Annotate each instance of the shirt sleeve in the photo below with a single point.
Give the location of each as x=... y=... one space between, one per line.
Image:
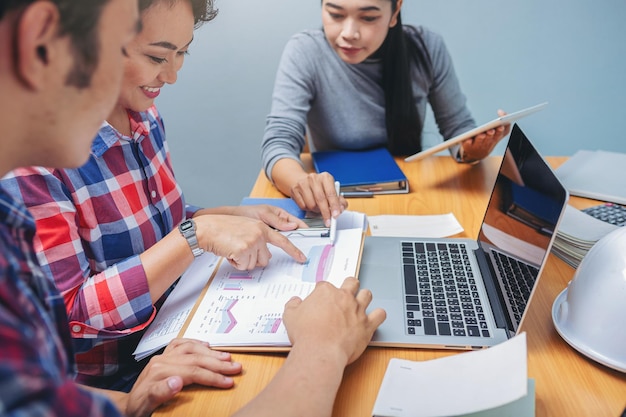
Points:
x=34 y=379
x=191 y=210
x=285 y=126
x=28 y=389
x=112 y=303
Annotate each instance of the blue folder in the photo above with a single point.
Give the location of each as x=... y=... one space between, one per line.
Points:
x=369 y=171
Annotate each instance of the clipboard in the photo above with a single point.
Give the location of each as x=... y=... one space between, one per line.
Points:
x=502 y=120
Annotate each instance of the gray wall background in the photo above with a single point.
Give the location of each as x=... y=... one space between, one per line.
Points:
x=508 y=54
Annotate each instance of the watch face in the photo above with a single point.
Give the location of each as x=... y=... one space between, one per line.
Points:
x=186 y=225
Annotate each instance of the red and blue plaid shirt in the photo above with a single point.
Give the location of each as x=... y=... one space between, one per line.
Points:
x=92 y=224
x=36 y=359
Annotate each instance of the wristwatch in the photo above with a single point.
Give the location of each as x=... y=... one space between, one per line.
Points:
x=188 y=230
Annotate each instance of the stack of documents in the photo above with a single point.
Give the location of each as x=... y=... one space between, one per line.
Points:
x=577 y=233
x=244 y=308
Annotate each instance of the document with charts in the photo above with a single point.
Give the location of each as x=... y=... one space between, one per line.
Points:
x=244 y=308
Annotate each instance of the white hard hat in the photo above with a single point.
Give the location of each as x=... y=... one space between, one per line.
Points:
x=590 y=314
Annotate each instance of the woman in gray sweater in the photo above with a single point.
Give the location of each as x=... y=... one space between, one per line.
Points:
x=362 y=81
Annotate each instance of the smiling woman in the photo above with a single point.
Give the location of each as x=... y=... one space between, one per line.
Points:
x=154 y=59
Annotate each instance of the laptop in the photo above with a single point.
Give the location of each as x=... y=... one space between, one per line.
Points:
x=470 y=294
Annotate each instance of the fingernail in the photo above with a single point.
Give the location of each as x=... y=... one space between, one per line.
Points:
x=228 y=380
x=174 y=384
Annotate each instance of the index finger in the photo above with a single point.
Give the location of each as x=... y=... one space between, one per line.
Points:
x=322 y=193
x=281 y=241
x=334 y=199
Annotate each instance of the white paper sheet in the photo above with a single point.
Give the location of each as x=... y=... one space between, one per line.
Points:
x=176 y=309
x=455 y=385
x=435 y=226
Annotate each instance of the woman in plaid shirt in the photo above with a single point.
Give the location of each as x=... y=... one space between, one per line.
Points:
x=107 y=231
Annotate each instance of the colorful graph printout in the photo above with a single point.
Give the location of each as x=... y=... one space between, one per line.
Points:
x=244 y=308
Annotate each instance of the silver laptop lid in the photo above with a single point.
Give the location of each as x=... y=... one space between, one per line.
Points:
x=522 y=216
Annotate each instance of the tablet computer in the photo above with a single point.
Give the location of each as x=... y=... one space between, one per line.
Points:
x=502 y=120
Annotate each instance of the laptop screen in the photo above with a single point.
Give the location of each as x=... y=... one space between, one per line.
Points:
x=525 y=204
x=520 y=223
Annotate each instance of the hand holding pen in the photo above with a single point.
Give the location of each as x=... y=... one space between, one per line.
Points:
x=318 y=227
x=316 y=193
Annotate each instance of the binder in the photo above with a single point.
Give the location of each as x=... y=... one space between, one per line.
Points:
x=372 y=171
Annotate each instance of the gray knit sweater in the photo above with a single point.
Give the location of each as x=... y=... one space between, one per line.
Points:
x=341 y=106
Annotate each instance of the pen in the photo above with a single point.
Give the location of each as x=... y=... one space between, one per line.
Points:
x=333 y=221
x=357 y=194
x=307 y=233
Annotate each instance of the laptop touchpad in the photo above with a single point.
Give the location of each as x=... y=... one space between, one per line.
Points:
x=379 y=280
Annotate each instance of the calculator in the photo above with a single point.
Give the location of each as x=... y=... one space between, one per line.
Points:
x=608 y=212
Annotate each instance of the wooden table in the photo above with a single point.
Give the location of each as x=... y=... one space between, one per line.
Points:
x=567 y=383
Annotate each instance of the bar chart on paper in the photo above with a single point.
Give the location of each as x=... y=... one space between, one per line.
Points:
x=244 y=308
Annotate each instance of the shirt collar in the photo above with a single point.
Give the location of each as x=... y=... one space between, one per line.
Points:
x=108 y=135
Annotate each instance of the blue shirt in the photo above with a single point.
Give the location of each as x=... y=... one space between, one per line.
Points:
x=36 y=359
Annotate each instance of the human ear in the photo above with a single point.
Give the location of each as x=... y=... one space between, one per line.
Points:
x=37 y=30
x=394 y=17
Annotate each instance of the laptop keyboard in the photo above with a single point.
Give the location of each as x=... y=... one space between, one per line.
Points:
x=440 y=291
x=518 y=279
x=608 y=212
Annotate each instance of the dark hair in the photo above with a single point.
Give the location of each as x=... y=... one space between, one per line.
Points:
x=398 y=52
x=203 y=10
x=78 y=20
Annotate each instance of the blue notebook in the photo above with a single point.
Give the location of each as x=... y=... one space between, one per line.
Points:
x=370 y=171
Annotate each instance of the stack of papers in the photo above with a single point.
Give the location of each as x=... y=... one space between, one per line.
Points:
x=490 y=382
x=242 y=289
x=577 y=233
